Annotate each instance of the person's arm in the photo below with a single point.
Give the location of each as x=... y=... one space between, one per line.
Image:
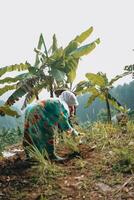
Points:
x=64 y=122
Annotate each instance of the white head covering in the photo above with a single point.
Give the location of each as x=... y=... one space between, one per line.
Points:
x=69 y=98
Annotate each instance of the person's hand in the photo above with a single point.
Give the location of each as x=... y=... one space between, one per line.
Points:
x=75 y=133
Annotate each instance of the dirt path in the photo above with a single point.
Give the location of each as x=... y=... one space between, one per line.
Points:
x=79 y=178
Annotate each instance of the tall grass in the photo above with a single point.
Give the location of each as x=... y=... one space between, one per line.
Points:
x=44 y=165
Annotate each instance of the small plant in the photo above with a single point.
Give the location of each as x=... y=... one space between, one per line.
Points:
x=125 y=160
x=71 y=143
x=42 y=197
x=44 y=165
x=9 y=137
x=80 y=164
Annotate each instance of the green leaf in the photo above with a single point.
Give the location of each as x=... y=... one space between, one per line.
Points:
x=91 y=100
x=14 y=79
x=58 y=75
x=80 y=87
x=8 y=111
x=54 y=45
x=6 y=88
x=41 y=43
x=30 y=97
x=84 y=50
x=18 y=93
x=71 y=76
x=71 y=47
x=56 y=56
x=118 y=77
x=96 y=79
x=83 y=36
x=93 y=90
x=71 y=67
x=84 y=87
x=114 y=102
x=16 y=67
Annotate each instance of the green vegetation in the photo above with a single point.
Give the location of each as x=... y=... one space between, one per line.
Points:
x=99 y=86
x=105 y=168
x=96 y=111
x=103 y=165
x=10 y=137
x=54 y=67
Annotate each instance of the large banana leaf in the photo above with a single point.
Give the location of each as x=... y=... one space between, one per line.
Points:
x=58 y=75
x=71 y=47
x=113 y=102
x=18 y=93
x=27 y=86
x=30 y=97
x=16 y=67
x=71 y=67
x=91 y=100
x=83 y=36
x=6 y=88
x=73 y=44
x=71 y=75
x=23 y=89
x=96 y=79
x=56 y=61
x=79 y=88
x=93 y=90
x=54 y=45
x=14 y=79
x=6 y=110
x=118 y=77
x=84 y=50
x=41 y=43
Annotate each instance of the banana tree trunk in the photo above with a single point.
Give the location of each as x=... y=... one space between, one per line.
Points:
x=51 y=90
x=108 y=108
x=36 y=95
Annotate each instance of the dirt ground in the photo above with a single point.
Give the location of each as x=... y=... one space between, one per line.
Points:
x=86 y=177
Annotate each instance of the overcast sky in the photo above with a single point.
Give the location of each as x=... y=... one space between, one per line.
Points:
x=22 y=21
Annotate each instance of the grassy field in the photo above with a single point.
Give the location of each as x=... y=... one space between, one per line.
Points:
x=102 y=170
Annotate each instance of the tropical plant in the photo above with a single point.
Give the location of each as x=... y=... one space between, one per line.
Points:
x=5 y=108
x=53 y=67
x=99 y=86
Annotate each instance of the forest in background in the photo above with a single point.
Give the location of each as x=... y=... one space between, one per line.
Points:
x=123 y=93
x=8 y=121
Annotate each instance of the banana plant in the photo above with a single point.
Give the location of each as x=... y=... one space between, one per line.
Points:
x=53 y=67
x=61 y=63
x=99 y=86
x=6 y=109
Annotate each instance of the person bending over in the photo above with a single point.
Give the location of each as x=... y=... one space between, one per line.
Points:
x=41 y=119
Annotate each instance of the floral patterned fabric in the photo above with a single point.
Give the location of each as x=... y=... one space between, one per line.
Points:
x=40 y=120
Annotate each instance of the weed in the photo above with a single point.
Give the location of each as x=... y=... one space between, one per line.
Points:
x=71 y=143
x=45 y=166
x=125 y=160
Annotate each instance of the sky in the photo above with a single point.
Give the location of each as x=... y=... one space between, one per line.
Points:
x=22 y=21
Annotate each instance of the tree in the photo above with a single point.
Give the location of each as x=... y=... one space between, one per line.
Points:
x=99 y=86
x=53 y=67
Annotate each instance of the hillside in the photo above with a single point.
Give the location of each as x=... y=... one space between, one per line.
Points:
x=103 y=169
x=10 y=122
x=123 y=93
